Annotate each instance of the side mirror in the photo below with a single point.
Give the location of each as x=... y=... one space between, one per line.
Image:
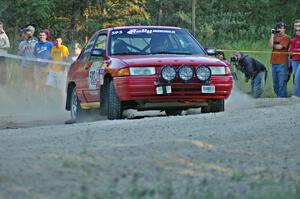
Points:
x=211 y=51
x=97 y=52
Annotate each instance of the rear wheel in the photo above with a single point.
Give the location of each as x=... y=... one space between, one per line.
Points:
x=77 y=113
x=173 y=112
x=114 y=104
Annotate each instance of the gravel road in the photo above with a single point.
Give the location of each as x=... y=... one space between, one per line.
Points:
x=250 y=151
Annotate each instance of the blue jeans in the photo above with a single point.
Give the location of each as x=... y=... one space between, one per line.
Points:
x=296 y=72
x=258 y=84
x=280 y=77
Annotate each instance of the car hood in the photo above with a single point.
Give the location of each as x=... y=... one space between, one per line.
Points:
x=158 y=60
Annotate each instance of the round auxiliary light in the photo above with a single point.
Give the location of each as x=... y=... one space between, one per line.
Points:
x=203 y=73
x=168 y=73
x=185 y=73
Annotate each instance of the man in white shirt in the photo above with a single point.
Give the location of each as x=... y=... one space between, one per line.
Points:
x=4 y=45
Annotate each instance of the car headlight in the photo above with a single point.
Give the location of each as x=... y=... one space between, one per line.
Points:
x=203 y=73
x=217 y=70
x=168 y=73
x=185 y=73
x=142 y=71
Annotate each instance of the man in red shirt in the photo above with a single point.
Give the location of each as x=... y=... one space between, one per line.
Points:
x=295 y=49
x=279 y=42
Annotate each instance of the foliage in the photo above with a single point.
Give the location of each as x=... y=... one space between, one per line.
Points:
x=217 y=22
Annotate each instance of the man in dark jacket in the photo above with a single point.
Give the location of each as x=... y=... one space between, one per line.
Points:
x=253 y=70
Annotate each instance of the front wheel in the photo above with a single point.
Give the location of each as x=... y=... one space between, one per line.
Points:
x=214 y=106
x=115 y=109
x=205 y=109
x=217 y=105
x=173 y=112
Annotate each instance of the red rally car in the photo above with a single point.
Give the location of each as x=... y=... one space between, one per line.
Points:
x=146 y=68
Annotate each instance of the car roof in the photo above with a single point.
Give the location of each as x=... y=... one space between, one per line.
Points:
x=129 y=27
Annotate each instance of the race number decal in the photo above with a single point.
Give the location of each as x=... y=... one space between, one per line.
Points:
x=101 y=74
x=93 y=76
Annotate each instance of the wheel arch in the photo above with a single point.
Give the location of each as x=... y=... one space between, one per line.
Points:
x=107 y=78
x=70 y=87
x=104 y=94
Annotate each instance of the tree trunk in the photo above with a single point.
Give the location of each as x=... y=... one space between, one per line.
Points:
x=160 y=13
x=194 y=3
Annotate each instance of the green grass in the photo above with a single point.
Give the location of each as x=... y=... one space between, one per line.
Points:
x=263 y=56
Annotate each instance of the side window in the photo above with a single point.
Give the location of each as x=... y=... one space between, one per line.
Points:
x=87 y=50
x=101 y=42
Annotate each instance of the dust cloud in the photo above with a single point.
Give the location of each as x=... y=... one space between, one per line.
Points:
x=26 y=107
x=21 y=107
x=239 y=101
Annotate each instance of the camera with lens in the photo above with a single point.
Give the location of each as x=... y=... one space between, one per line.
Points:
x=279 y=24
x=275 y=31
x=233 y=59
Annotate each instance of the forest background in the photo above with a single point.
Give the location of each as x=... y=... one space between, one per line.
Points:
x=230 y=25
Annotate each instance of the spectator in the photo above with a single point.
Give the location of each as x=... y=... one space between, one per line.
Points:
x=220 y=55
x=56 y=73
x=296 y=23
x=279 y=42
x=77 y=50
x=32 y=31
x=26 y=48
x=4 y=45
x=295 y=48
x=253 y=70
x=48 y=34
x=42 y=50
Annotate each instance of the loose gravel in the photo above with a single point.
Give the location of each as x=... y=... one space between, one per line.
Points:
x=250 y=151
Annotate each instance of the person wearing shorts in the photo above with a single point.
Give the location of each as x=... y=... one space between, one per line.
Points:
x=42 y=50
x=56 y=75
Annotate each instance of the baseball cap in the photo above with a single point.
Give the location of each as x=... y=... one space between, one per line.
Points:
x=24 y=30
x=280 y=24
x=31 y=28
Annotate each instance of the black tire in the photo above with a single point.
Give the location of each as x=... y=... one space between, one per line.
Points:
x=217 y=106
x=205 y=109
x=77 y=113
x=173 y=112
x=114 y=104
x=214 y=106
x=104 y=99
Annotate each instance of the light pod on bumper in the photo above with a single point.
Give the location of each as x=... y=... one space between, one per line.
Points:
x=203 y=73
x=168 y=73
x=185 y=73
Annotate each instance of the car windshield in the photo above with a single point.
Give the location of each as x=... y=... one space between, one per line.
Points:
x=145 y=41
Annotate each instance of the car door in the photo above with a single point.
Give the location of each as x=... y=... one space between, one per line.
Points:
x=93 y=70
x=80 y=73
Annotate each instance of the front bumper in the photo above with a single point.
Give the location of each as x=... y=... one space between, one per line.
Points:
x=143 y=91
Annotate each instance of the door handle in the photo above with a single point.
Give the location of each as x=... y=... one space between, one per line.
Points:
x=86 y=67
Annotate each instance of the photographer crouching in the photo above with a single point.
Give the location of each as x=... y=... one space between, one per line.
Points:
x=253 y=70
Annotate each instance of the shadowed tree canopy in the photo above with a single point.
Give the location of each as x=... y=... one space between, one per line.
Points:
x=215 y=21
